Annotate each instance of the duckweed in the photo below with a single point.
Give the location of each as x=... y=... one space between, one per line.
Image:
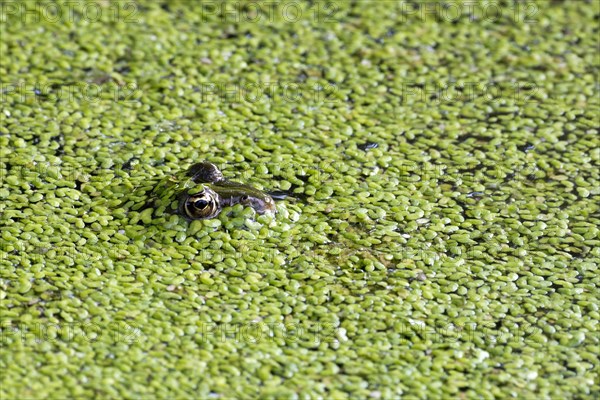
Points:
x=440 y=235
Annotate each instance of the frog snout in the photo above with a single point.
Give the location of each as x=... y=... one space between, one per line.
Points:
x=267 y=205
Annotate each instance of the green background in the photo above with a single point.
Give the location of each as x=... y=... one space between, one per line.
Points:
x=459 y=258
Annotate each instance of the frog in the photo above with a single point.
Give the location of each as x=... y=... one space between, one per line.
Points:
x=203 y=192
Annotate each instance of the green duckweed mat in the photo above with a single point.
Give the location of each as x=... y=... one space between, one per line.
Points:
x=441 y=238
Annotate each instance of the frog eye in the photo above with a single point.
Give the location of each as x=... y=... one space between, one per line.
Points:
x=205 y=172
x=202 y=205
x=244 y=197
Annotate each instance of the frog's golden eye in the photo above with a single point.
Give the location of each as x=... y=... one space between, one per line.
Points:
x=201 y=205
